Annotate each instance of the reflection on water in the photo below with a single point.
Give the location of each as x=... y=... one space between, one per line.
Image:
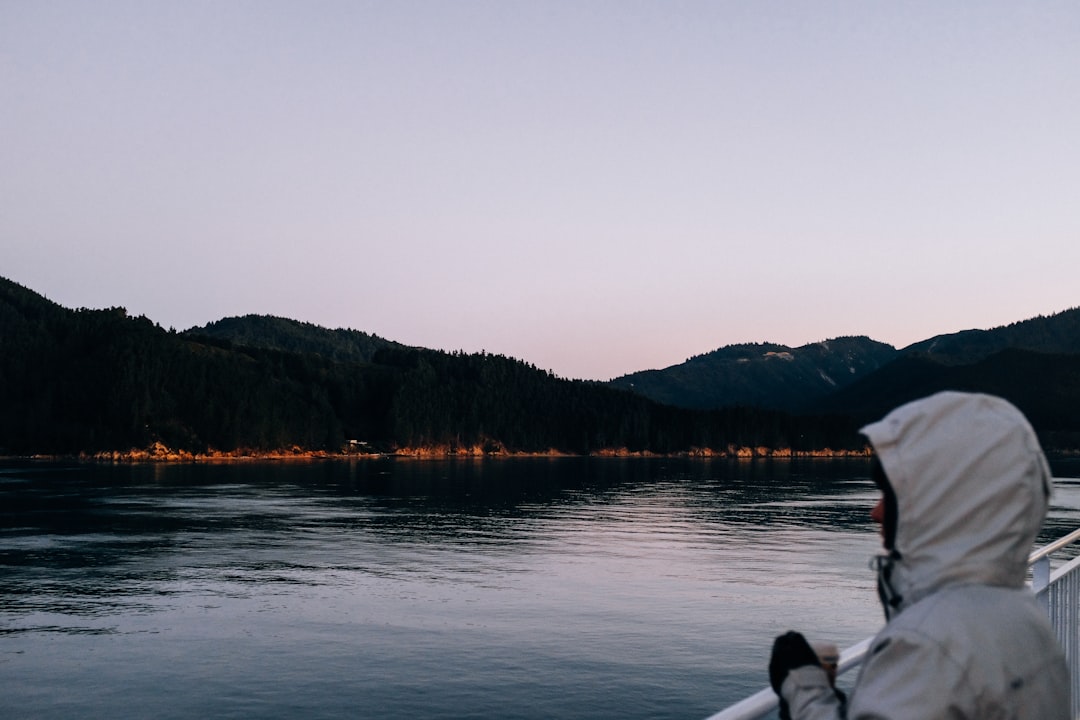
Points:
x=509 y=588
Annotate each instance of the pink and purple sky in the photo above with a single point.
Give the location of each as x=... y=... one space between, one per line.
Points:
x=593 y=187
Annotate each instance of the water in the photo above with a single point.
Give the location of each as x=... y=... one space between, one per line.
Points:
x=572 y=588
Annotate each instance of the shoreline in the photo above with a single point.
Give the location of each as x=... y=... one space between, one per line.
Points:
x=159 y=453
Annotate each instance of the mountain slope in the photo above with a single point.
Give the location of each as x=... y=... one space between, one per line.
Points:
x=1044 y=386
x=92 y=380
x=276 y=333
x=1058 y=333
x=802 y=379
x=762 y=375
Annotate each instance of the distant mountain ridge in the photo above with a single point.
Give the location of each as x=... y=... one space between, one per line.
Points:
x=1058 y=333
x=762 y=375
x=1034 y=363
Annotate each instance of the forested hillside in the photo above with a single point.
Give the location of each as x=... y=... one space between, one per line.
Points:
x=74 y=381
x=762 y=374
x=274 y=333
x=1055 y=334
x=1046 y=387
x=1034 y=363
x=86 y=381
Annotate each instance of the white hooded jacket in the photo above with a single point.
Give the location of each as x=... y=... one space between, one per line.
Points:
x=965 y=638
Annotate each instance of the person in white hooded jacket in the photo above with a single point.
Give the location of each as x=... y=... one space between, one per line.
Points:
x=965 y=488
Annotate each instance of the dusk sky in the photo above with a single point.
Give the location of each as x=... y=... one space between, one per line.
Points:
x=593 y=187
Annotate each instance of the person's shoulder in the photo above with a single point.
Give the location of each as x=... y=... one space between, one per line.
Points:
x=931 y=623
x=965 y=621
x=961 y=603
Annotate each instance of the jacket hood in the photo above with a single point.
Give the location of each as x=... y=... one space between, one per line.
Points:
x=972 y=489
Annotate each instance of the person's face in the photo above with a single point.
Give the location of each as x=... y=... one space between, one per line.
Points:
x=877 y=514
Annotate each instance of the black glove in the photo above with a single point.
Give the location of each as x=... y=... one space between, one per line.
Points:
x=789 y=651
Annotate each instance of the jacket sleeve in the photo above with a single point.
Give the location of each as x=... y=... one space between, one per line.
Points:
x=908 y=676
x=809 y=695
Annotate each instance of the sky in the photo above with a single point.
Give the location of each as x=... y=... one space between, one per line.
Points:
x=593 y=187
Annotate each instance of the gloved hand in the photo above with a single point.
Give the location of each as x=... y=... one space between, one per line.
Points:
x=789 y=651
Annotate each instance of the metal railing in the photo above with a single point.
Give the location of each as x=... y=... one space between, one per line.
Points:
x=1058 y=592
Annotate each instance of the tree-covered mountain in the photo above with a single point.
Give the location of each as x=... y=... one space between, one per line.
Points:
x=856 y=373
x=75 y=381
x=1044 y=386
x=762 y=375
x=84 y=380
x=90 y=380
x=1054 y=334
x=275 y=333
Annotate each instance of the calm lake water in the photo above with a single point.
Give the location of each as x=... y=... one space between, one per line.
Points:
x=538 y=588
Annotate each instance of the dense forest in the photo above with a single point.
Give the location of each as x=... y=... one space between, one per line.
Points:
x=1045 y=386
x=87 y=381
x=98 y=381
x=275 y=333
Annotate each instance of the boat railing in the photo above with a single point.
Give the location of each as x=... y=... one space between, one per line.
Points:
x=1057 y=590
